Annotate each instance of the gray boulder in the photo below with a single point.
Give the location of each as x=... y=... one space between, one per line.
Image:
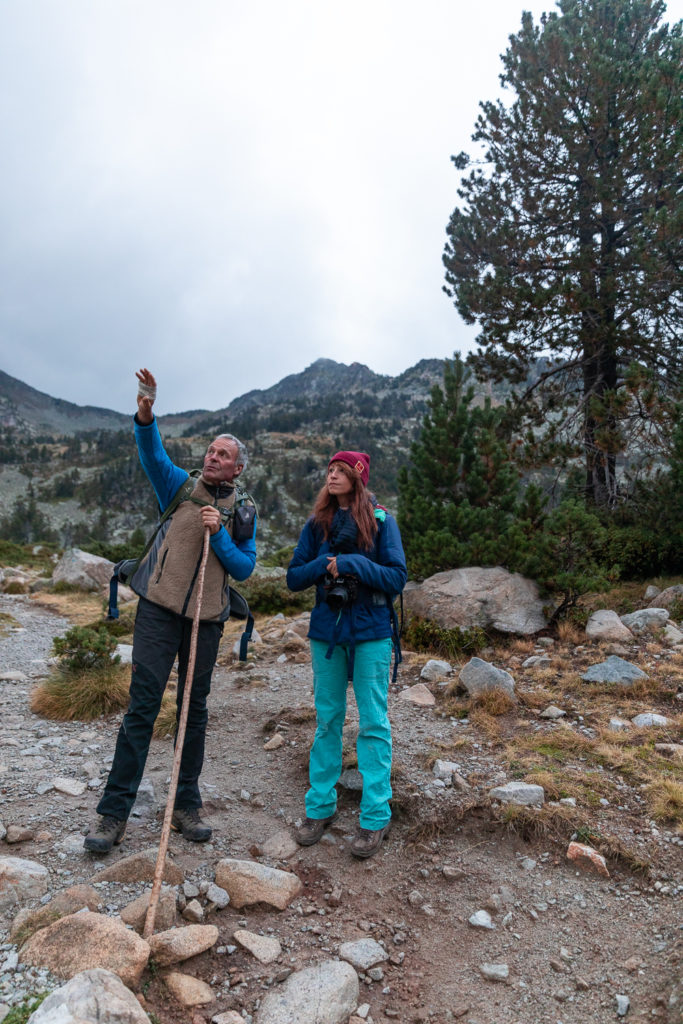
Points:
x=614 y=670
x=478 y=675
x=81 y=569
x=327 y=992
x=91 y=997
x=606 y=625
x=525 y=794
x=645 y=620
x=665 y=598
x=474 y=597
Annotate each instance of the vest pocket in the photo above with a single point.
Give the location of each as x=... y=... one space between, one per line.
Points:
x=157 y=578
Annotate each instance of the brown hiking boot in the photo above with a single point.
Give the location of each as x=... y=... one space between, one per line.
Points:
x=186 y=820
x=368 y=841
x=311 y=830
x=107 y=833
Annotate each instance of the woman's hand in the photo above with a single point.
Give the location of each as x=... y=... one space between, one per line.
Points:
x=146 y=396
x=332 y=566
x=211 y=517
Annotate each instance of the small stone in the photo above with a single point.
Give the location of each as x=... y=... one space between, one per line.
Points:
x=275 y=742
x=552 y=713
x=363 y=953
x=418 y=694
x=482 y=919
x=495 y=972
x=265 y=948
x=194 y=912
x=453 y=874
x=648 y=719
x=522 y=793
x=623 y=1004
x=586 y=856
x=70 y=787
x=18 y=834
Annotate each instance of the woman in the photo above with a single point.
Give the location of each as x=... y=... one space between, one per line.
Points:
x=351 y=550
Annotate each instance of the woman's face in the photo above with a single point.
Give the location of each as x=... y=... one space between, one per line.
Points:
x=338 y=483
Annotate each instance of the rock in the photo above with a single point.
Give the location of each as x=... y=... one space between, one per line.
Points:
x=217 y=896
x=194 y=912
x=187 y=990
x=646 y=620
x=21 y=880
x=478 y=676
x=124 y=652
x=552 y=713
x=674 y=750
x=363 y=953
x=70 y=787
x=537 y=661
x=139 y=867
x=275 y=742
x=69 y=901
x=665 y=598
x=475 y=597
x=352 y=780
x=524 y=793
x=623 y=1004
x=247 y=883
x=9 y=675
x=495 y=972
x=586 y=857
x=672 y=634
x=280 y=846
x=618 y=725
x=651 y=592
x=445 y=769
x=95 y=996
x=434 y=670
x=418 y=694
x=606 y=625
x=145 y=805
x=178 y=944
x=86 y=940
x=82 y=569
x=648 y=719
x=18 y=834
x=326 y=992
x=481 y=919
x=134 y=913
x=265 y=948
x=614 y=670
x=229 y=1017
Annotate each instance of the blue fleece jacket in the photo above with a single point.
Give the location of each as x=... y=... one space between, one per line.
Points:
x=382 y=574
x=165 y=477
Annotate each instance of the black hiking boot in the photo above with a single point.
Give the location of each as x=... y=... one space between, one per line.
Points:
x=311 y=830
x=186 y=820
x=368 y=841
x=107 y=833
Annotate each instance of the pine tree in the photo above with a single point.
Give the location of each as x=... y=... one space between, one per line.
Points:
x=568 y=239
x=457 y=498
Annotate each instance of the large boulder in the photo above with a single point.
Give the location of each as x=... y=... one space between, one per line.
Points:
x=91 y=997
x=21 y=880
x=646 y=620
x=326 y=992
x=84 y=941
x=473 y=597
x=665 y=598
x=606 y=625
x=81 y=569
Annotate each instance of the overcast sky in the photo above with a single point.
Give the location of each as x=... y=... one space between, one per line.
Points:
x=224 y=192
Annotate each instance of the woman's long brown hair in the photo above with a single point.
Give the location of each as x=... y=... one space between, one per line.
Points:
x=360 y=507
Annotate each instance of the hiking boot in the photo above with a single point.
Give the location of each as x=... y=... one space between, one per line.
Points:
x=186 y=820
x=368 y=841
x=107 y=833
x=311 y=830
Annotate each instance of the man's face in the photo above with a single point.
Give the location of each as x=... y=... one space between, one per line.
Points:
x=220 y=462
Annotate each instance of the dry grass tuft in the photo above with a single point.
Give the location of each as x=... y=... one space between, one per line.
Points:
x=494 y=702
x=665 y=799
x=569 y=633
x=290 y=716
x=82 y=696
x=7 y=622
x=80 y=607
x=165 y=724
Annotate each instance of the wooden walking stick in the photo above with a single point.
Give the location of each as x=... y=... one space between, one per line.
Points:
x=148 y=930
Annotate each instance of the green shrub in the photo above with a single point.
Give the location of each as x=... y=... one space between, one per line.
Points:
x=82 y=648
x=20 y=1014
x=15 y=587
x=279 y=559
x=270 y=595
x=426 y=636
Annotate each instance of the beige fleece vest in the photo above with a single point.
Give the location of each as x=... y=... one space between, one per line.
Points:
x=173 y=583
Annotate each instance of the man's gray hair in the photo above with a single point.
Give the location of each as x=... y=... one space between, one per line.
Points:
x=242 y=456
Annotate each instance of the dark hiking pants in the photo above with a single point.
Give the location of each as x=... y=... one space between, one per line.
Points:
x=159 y=636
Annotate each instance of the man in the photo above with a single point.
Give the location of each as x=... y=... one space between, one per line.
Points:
x=165 y=582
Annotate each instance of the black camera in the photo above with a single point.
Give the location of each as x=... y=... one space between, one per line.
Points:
x=340 y=591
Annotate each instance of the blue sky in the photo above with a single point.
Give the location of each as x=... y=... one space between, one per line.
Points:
x=226 y=192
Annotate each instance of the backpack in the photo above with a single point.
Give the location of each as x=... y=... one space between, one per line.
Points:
x=240 y=523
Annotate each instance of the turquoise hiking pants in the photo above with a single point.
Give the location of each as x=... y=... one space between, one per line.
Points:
x=372 y=662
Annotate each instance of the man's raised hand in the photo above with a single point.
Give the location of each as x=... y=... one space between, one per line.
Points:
x=147 y=393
